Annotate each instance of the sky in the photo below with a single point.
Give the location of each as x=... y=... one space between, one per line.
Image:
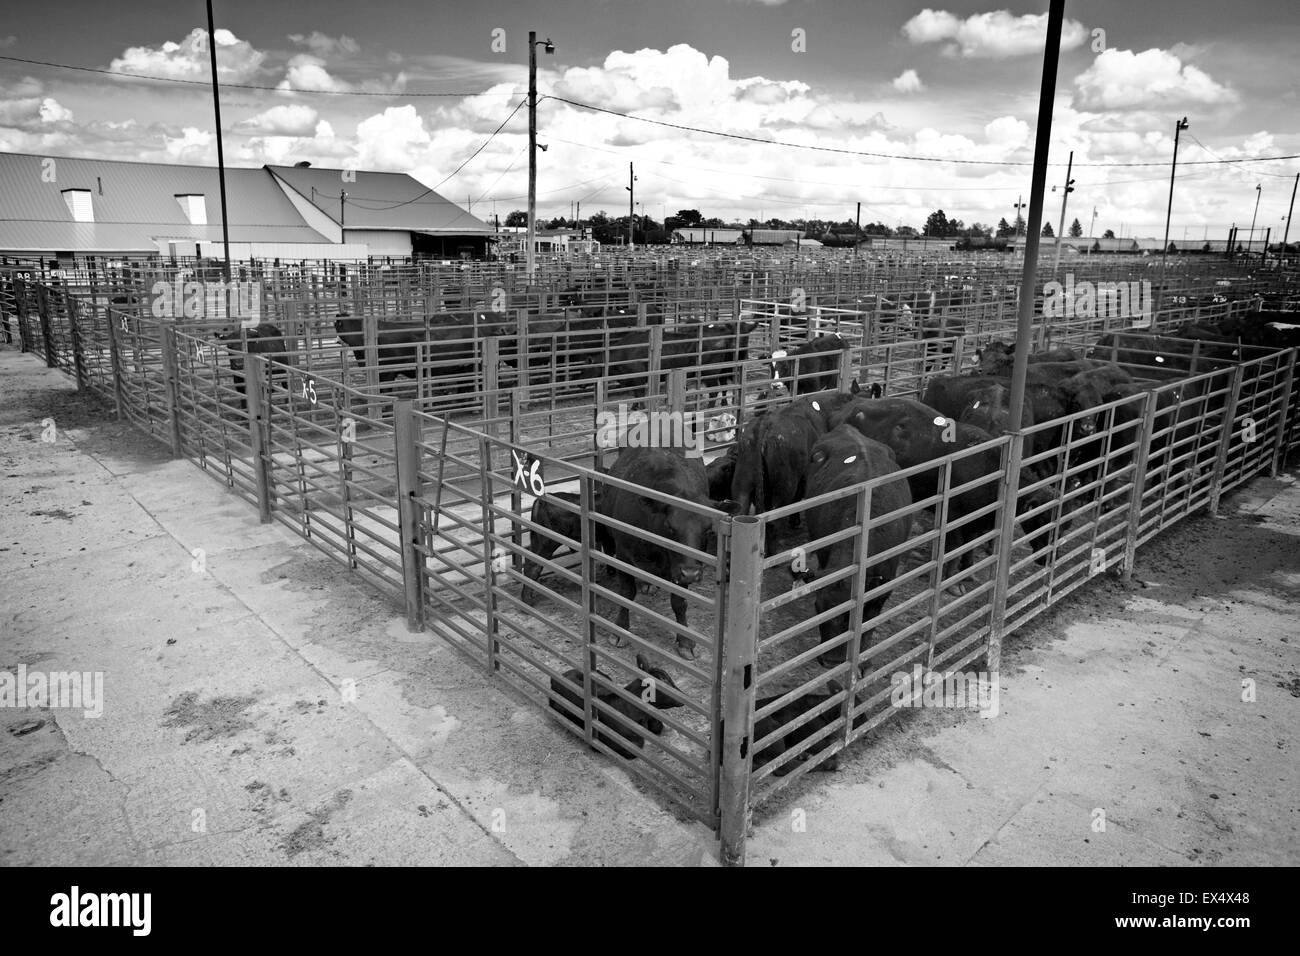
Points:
x=890 y=93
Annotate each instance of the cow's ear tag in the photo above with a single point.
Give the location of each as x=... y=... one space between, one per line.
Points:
x=817 y=407
x=1160 y=358
x=851 y=459
x=941 y=421
x=976 y=405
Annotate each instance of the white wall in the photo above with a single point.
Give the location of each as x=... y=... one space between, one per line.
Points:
x=382 y=242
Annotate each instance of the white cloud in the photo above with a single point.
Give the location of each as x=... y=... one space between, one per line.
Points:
x=290 y=119
x=307 y=72
x=1124 y=80
x=908 y=82
x=237 y=61
x=319 y=146
x=323 y=45
x=393 y=140
x=192 y=146
x=54 y=112
x=994 y=35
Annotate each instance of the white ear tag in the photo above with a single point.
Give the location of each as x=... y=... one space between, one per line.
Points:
x=851 y=459
x=817 y=407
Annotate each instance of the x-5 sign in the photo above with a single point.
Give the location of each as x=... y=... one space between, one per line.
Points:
x=528 y=473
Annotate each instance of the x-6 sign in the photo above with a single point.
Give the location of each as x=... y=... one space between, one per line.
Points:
x=528 y=473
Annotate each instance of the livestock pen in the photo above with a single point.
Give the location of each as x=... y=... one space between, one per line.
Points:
x=428 y=494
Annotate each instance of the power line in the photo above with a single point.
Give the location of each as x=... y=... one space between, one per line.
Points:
x=235 y=86
x=875 y=155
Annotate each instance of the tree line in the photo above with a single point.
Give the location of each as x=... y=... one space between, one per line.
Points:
x=610 y=230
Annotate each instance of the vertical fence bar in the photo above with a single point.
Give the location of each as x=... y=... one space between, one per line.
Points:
x=1139 y=484
x=1225 y=440
x=1283 y=450
x=1006 y=535
x=406 y=432
x=78 y=353
x=115 y=359
x=171 y=388
x=489 y=590
x=259 y=432
x=47 y=333
x=739 y=655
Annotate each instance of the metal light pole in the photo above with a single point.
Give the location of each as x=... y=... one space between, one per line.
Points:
x=1250 y=243
x=531 y=252
x=1290 y=210
x=1019 y=206
x=1065 y=198
x=221 y=155
x=1169 y=209
x=631 y=195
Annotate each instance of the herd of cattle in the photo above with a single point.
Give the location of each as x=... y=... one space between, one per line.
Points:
x=830 y=439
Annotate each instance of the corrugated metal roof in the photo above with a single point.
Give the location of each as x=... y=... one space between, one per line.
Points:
x=773 y=236
x=380 y=201
x=135 y=202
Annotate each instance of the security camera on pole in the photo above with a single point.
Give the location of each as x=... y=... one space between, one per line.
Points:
x=533 y=42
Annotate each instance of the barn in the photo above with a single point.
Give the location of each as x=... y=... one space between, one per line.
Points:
x=68 y=207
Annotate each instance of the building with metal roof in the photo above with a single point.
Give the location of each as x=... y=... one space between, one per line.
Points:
x=66 y=206
x=773 y=237
x=707 y=235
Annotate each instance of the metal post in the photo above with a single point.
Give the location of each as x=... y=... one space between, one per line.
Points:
x=1250 y=243
x=1065 y=198
x=115 y=359
x=47 y=330
x=739 y=656
x=406 y=432
x=631 y=193
x=530 y=253
x=1006 y=533
x=1289 y=211
x=78 y=352
x=1288 y=394
x=170 y=387
x=259 y=431
x=1140 y=481
x=1225 y=440
x=1169 y=209
x=1046 y=97
x=221 y=155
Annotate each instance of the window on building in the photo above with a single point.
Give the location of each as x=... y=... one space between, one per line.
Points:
x=195 y=207
x=79 y=204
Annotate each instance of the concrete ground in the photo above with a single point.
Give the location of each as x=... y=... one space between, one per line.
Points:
x=265 y=707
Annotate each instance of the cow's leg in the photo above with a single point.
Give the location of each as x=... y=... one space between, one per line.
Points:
x=625 y=586
x=685 y=646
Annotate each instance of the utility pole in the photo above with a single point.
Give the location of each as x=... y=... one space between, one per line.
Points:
x=531 y=253
x=342 y=196
x=857 y=230
x=1250 y=243
x=1025 y=316
x=631 y=194
x=221 y=154
x=1290 y=210
x=1065 y=198
x=1169 y=209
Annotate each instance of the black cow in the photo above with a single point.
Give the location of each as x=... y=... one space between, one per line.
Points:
x=262 y=339
x=774 y=451
x=996 y=358
x=841 y=458
x=721 y=472
x=549 y=512
x=398 y=342
x=725 y=347
x=812 y=366
x=916 y=432
x=628 y=356
x=791 y=739
x=668 y=471
x=628 y=721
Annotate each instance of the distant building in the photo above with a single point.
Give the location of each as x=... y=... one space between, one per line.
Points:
x=547 y=242
x=772 y=237
x=708 y=236
x=910 y=243
x=61 y=207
